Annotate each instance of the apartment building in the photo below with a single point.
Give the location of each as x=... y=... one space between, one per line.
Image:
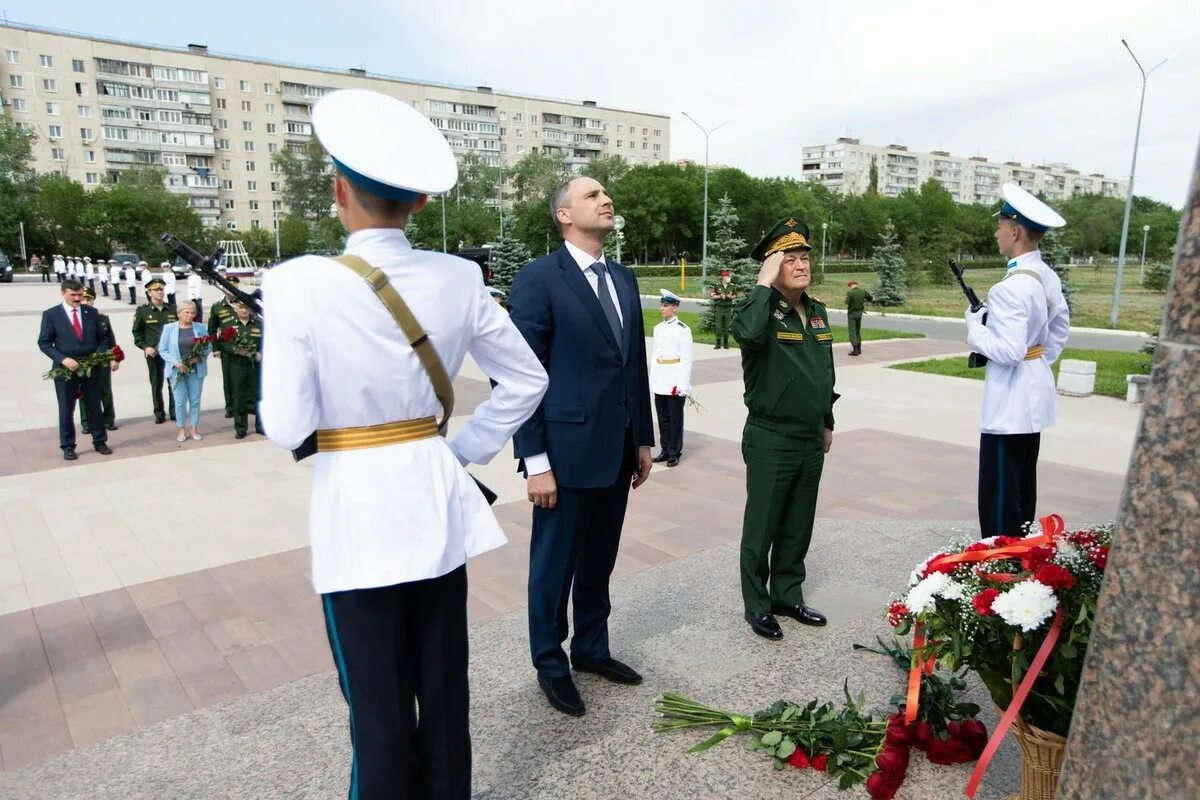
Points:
x=845 y=167
x=100 y=106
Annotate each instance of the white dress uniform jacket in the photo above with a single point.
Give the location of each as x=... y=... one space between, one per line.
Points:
x=70 y=268
x=673 y=345
x=114 y=275
x=194 y=286
x=168 y=279
x=1019 y=395
x=334 y=357
x=60 y=266
x=88 y=270
x=130 y=277
x=144 y=276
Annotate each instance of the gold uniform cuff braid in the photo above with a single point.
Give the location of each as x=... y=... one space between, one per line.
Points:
x=1034 y=353
x=667 y=360
x=410 y=430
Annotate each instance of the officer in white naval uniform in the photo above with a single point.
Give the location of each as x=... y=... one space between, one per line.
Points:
x=89 y=274
x=144 y=275
x=670 y=377
x=1026 y=328
x=168 y=279
x=393 y=520
x=195 y=293
x=114 y=276
x=60 y=268
x=130 y=281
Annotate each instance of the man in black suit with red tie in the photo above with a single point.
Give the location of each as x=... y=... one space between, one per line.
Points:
x=70 y=331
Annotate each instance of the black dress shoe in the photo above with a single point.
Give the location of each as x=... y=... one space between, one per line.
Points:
x=112 y=426
x=611 y=669
x=658 y=459
x=103 y=449
x=69 y=454
x=239 y=436
x=672 y=462
x=159 y=420
x=228 y=415
x=764 y=625
x=562 y=694
x=805 y=615
x=85 y=431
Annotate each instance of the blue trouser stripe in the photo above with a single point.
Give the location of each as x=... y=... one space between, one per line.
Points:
x=344 y=678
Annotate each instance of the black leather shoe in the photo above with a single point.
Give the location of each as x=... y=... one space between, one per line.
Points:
x=112 y=427
x=239 y=436
x=85 y=431
x=764 y=625
x=805 y=615
x=103 y=449
x=159 y=420
x=228 y=415
x=672 y=462
x=611 y=669
x=69 y=454
x=563 y=695
x=854 y=352
x=658 y=459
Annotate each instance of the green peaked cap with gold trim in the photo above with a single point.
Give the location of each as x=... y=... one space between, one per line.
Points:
x=788 y=234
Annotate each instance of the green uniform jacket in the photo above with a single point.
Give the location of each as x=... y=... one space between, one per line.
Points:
x=255 y=326
x=148 y=324
x=721 y=289
x=220 y=316
x=857 y=299
x=787 y=366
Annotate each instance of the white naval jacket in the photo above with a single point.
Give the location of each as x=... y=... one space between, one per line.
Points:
x=114 y=273
x=144 y=276
x=60 y=266
x=333 y=357
x=1019 y=395
x=168 y=279
x=671 y=358
x=195 y=287
x=130 y=277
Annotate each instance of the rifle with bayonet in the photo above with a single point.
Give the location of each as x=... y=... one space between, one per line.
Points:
x=974 y=360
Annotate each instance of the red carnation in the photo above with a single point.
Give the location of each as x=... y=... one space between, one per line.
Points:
x=983 y=601
x=1099 y=557
x=819 y=762
x=896 y=611
x=948 y=751
x=1036 y=558
x=977 y=546
x=1054 y=576
x=883 y=785
x=118 y=353
x=946 y=568
x=798 y=759
x=1005 y=541
x=1083 y=539
x=973 y=733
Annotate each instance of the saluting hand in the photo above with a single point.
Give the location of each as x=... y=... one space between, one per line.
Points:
x=770 y=269
x=644 y=464
x=543 y=489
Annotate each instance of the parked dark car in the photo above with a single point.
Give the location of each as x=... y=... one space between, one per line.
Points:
x=6 y=270
x=121 y=258
x=481 y=256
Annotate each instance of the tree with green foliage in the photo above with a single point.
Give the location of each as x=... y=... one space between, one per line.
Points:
x=132 y=213
x=471 y=223
x=477 y=180
x=726 y=251
x=606 y=169
x=536 y=175
x=293 y=236
x=507 y=258
x=1158 y=276
x=16 y=181
x=531 y=223
x=1058 y=258
x=889 y=266
x=305 y=185
x=260 y=245
x=873 y=179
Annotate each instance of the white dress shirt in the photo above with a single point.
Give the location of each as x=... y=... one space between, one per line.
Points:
x=194 y=286
x=1019 y=395
x=60 y=266
x=333 y=357
x=168 y=279
x=672 y=343
x=144 y=276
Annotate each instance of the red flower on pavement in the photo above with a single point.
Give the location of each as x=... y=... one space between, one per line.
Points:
x=892 y=759
x=897 y=731
x=920 y=733
x=973 y=733
x=1054 y=576
x=983 y=601
x=896 y=611
x=1099 y=557
x=819 y=762
x=798 y=759
x=883 y=785
x=949 y=751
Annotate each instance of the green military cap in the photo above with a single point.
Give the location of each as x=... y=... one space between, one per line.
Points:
x=788 y=234
x=88 y=294
x=155 y=283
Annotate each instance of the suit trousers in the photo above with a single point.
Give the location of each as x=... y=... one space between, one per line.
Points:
x=670 y=423
x=571 y=555
x=187 y=399
x=1007 y=482
x=66 y=391
x=783 y=474
x=401 y=658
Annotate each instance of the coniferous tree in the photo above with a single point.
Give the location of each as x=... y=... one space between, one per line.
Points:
x=508 y=256
x=726 y=252
x=1058 y=257
x=889 y=266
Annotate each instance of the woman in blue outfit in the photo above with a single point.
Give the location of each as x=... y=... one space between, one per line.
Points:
x=185 y=372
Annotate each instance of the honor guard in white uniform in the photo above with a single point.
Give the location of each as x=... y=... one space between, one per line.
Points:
x=89 y=275
x=195 y=293
x=71 y=267
x=102 y=275
x=60 y=268
x=168 y=279
x=394 y=515
x=144 y=274
x=114 y=277
x=1022 y=330
x=670 y=377
x=130 y=281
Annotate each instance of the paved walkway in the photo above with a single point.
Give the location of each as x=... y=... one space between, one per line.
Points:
x=128 y=625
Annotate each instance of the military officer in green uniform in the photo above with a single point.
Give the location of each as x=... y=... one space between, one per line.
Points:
x=722 y=296
x=148 y=323
x=109 y=340
x=787 y=366
x=221 y=316
x=856 y=302
x=243 y=353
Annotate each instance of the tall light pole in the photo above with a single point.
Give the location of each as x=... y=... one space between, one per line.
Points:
x=1112 y=318
x=1145 y=237
x=824 y=227
x=704 y=250
x=277 y=256
x=443 y=223
x=500 y=198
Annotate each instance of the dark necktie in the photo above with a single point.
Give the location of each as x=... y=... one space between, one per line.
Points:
x=606 y=303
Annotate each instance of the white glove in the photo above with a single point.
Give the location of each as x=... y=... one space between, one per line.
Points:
x=975 y=318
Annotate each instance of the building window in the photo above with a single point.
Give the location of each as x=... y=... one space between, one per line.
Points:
x=272 y=128
x=222 y=144
x=18 y=104
x=244 y=86
x=272 y=147
x=247 y=125
x=227 y=185
x=85 y=134
x=618 y=142
x=58 y=154
x=49 y=85
x=255 y=223
x=16 y=81
x=229 y=205
x=276 y=205
x=46 y=61
x=175 y=117
x=89 y=156
x=248 y=146
x=91 y=179
x=223 y=124
x=12 y=56
x=220 y=102
x=77 y=65
x=249 y=166
x=218 y=83
x=251 y=186
x=245 y=105
x=52 y=109
x=231 y=225
x=85 y=112
x=274 y=186
x=270 y=109
x=268 y=88
x=225 y=164
x=54 y=132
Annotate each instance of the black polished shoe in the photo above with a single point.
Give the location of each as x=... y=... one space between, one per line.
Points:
x=805 y=615
x=103 y=449
x=228 y=415
x=159 y=420
x=764 y=625
x=672 y=462
x=658 y=459
x=260 y=431
x=610 y=669
x=112 y=426
x=239 y=436
x=69 y=454
x=563 y=695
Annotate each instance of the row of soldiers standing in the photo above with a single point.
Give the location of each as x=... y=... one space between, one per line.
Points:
x=108 y=273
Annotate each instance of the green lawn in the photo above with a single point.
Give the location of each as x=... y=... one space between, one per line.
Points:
x=1111 y=368
x=1141 y=309
x=651 y=317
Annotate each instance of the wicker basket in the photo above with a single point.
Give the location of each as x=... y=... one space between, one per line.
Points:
x=1042 y=755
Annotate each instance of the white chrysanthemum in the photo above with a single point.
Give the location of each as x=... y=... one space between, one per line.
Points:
x=915 y=577
x=920 y=597
x=953 y=590
x=1027 y=605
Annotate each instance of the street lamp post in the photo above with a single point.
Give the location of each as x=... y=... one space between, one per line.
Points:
x=824 y=228
x=278 y=257
x=1112 y=319
x=704 y=246
x=618 y=224
x=1145 y=238
x=443 y=223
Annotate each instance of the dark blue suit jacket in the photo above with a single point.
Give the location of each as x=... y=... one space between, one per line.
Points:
x=593 y=391
x=57 y=338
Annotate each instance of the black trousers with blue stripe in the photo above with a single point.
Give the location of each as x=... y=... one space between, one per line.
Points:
x=1007 y=482
x=401 y=657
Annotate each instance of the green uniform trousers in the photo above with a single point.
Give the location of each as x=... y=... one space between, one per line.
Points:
x=722 y=321
x=242 y=385
x=227 y=383
x=782 y=477
x=157 y=369
x=854 y=322
x=106 y=403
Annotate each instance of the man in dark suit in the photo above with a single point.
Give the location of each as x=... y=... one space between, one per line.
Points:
x=70 y=331
x=589 y=440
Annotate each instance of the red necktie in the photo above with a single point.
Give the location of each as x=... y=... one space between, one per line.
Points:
x=75 y=323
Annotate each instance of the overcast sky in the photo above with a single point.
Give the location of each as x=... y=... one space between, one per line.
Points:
x=1026 y=81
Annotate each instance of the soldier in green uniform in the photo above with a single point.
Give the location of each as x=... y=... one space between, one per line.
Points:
x=221 y=316
x=787 y=365
x=148 y=323
x=243 y=353
x=722 y=296
x=109 y=340
x=856 y=302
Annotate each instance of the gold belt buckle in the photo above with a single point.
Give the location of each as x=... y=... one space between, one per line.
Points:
x=360 y=438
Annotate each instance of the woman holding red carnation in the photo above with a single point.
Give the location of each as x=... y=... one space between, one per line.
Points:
x=185 y=347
